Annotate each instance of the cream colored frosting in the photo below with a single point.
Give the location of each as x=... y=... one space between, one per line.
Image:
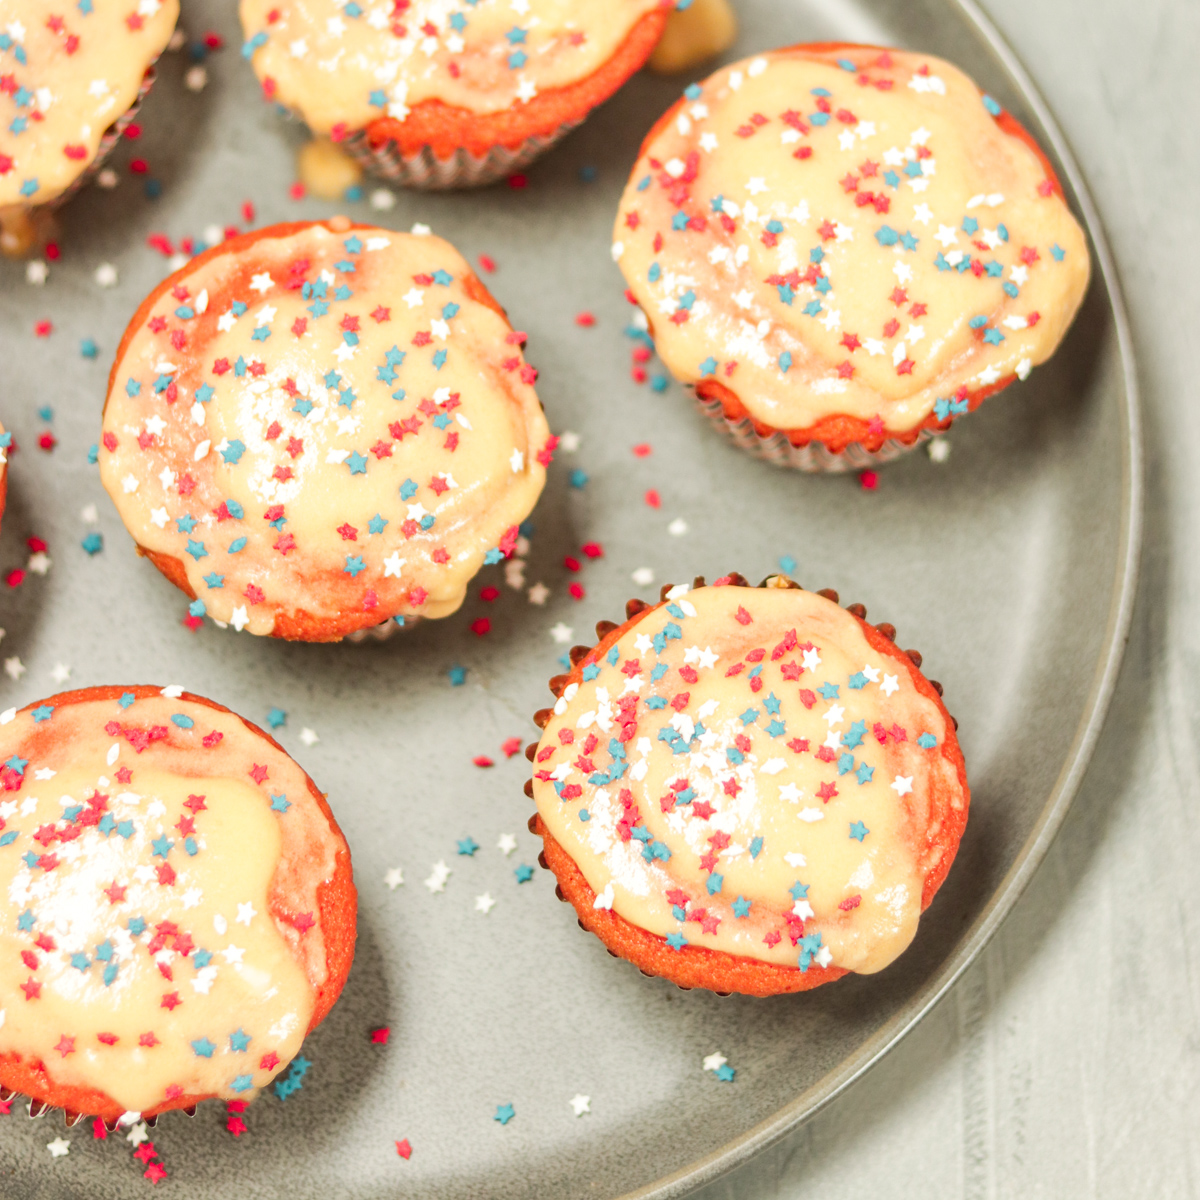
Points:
x=156 y=945
x=693 y=35
x=780 y=779
x=790 y=287
x=352 y=458
x=343 y=68
x=65 y=76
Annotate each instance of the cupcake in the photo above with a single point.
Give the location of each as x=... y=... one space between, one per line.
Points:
x=840 y=249
x=70 y=81
x=447 y=93
x=318 y=428
x=748 y=789
x=176 y=908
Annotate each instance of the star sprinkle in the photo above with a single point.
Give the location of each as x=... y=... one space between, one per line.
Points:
x=580 y=1104
x=393 y=878
x=504 y=1113
x=438 y=876
x=484 y=903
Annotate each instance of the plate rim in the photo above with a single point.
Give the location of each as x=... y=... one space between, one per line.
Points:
x=1116 y=636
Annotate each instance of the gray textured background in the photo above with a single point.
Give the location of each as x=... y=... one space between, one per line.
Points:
x=1065 y=1062
x=1060 y=1066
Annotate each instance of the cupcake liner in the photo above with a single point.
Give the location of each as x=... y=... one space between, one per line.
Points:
x=380 y=632
x=814 y=456
x=463 y=170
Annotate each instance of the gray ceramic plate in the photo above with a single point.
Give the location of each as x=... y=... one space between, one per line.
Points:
x=1010 y=565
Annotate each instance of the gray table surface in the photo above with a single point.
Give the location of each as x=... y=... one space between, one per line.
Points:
x=1064 y=1063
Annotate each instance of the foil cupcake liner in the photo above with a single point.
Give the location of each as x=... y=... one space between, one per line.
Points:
x=462 y=170
x=382 y=631
x=814 y=457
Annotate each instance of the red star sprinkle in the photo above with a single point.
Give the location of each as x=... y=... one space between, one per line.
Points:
x=66 y=1045
x=404 y=1149
x=512 y=746
x=154 y=1172
x=170 y=1001
x=258 y=773
x=380 y=1036
x=269 y=1061
x=236 y=1126
x=482 y=760
x=381 y=314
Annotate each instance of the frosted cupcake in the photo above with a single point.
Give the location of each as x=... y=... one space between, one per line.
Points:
x=748 y=789
x=840 y=249
x=447 y=93
x=70 y=80
x=176 y=904
x=319 y=428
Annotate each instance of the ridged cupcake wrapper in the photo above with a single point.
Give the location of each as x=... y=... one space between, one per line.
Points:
x=814 y=457
x=463 y=170
x=37 y=1109
x=382 y=631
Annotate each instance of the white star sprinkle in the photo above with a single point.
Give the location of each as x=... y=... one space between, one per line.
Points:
x=246 y=913
x=414 y=298
x=309 y=737
x=713 y=1061
x=437 y=879
x=14 y=668
x=889 y=685
x=560 y=633
x=902 y=785
x=240 y=618
x=262 y=283
x=61 y=673
x=568 y=443
x=58 y=1147
x=539 y=593
x=677 y=527
x=105 y=275
x=507 y=844
x=834 y=714
x=36 y=272
x=811 y=814
x=484 y=903
x=138 y=1134
x=392 y=565
x=811 y=659
x=393 y=878
x=581 y=1104
x=643 y=576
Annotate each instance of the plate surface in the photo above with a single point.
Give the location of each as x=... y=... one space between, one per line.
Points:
x=1010 y=566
